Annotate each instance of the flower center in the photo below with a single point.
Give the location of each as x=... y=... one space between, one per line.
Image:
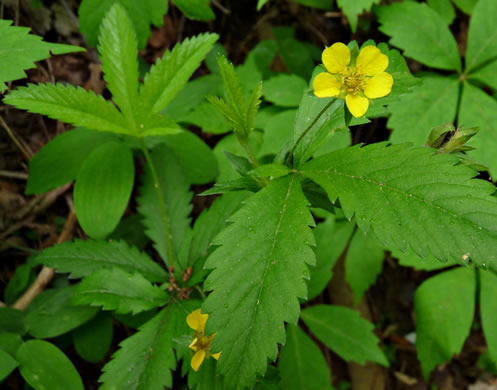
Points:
x=352 y=81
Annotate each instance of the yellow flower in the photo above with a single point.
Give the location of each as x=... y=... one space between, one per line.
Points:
x=357 y=83
x=201 y=343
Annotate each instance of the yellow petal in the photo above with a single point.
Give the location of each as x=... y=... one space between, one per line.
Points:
x=379 y=85
x=196 y=320
x=357 y=105
x=198 y=359
x=216 y=355
x=326 y=85
x=336 y=58
x=192 y=346
x=371 y=61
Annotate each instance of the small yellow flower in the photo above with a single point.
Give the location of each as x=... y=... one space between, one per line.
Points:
x=357 y=83
x=201 y=343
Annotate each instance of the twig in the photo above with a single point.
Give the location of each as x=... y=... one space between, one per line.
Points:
x=70 y=13
x=221 y=7
x=14 y=175
x=28 y=154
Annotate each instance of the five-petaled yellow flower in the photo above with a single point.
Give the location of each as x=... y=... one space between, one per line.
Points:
x=357 y=83
x=201 y=343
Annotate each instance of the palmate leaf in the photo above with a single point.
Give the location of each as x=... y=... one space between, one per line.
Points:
x=258 y=276
x=71 y=105
x=412 y=197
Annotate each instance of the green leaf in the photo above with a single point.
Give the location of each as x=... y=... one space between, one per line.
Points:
x=426 y=263
x=479 y=109
x=51 y=369
x=93 y=339
x=433 y=45
x=131 y=230
x=482 y=35
x=302 y=364
x=12 y=320
x=18 y=283
x=445 y=9
x=19 y=51
x=82 y=258
x=145 y=360
x=296 y=56
x=170 y=73
x=354 y=8
x=431 y=104
x=156 y=11
x=345 y=332
x=176 y=196
x=264 y=251
x=488 y=310
x=322 y=4
x=7 y=364
x=70 y=104
x=118 y=54
x=363 y=263
x=61 y=159
x=285 y=90
x=278 y=132
x=413 y=198
x=261 y=4
x=436 y=342
x=196 y=9
x=207 y=118
x=10 y=342
x=465 y=5
x=272 y=170
x=118 y=290
x=103 y=188
x=51 y=313
x=486 y=74
x=332 y=237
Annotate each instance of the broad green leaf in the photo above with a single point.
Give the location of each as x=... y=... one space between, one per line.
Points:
x=18 y=283
x=176 y=196
x=12 y=320
x=488 y=310
x=441 y=325
x=278 y=132
x=118 y=54
x=323 y=4
x=296 y=56
x=302 y=364
x=265 y=252
x=207 y=118
x=354 y=8
x=445 y=9
x=345 y=332
x=196 y=157
x=145 y=360
x=465 y=5
x=51 y=313
x=7 y=364
x=170 y=73
x=51 y=369
x=211 y=58
x=273 y=170
x=413 y=198
x=363 y=263
x=10 y=342
x=156 y=11
x=285 y=90
x=19 y=51
x=486 y=74
x=482 y=35
x=332 y=237
x=118 y=290
x=195 y=9
x=93 y=339
x=479 y=109
x=61 y=159
x=421 y=32
x=427 y=263
x=70 y=104
x=82 y=258
x=206 y=377
x=103 y=188
x=261 y=57
x=131 y=230
x=431 y=104
x=137 y=320
x=261 y=4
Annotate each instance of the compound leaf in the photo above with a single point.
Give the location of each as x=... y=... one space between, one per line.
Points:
x=258 y=276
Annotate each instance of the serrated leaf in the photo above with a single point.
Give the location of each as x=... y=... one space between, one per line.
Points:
x=19 y=51
x=70 y=104
x=482 y=35
x=103 y=188
x=431 y=104
x=285 y=90
x=434 y=45
x=445 y=9
x=345 y=332
x=7 y=364
x=93 y=339
x=436 y=342
x=413 y=198
x=488 y=310
x=82 y=258
x=354 y=8
x=205 y=117
x=51 y=369
x=302 y=365
x=118 y=54
x=170 y=73
x=118 y=290
x=195 y=9
x=426 y=263
x=176 y=196
x=145 y=360
x=265 y=252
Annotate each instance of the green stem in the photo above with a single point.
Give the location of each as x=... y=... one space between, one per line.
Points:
x=248 y=149
x=160 y=198
x=308 y=128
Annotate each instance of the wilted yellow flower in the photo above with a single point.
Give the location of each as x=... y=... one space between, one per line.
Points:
x=357 y=83
x=201 y=343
